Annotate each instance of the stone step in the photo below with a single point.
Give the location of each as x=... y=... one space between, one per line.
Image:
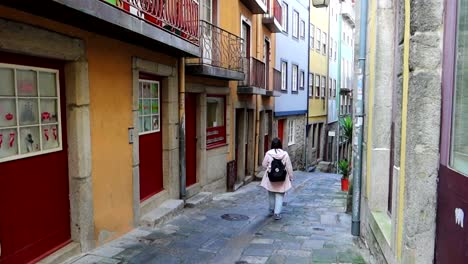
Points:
x=60 y=256
x=159 y=215
x=199 y=199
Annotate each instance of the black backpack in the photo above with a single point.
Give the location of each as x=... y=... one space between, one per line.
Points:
x=277 y=172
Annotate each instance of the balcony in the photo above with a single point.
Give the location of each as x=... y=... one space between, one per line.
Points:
x=348 y=13
x=272 y=19
x=168 y=26
x=256 y=6
x=220 y=54
x=320 y=3
x=346 y=85
x=276 y=89
x=254 y=81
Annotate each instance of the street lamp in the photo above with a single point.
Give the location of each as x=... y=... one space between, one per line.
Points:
x=320 y=3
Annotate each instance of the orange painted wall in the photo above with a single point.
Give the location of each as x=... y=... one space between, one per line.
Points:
x=110 y=80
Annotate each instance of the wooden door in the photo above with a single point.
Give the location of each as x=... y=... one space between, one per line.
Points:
x=452 y=199
x=150 y=136
x=190 y=139
x=281 y=129
x=34 y=195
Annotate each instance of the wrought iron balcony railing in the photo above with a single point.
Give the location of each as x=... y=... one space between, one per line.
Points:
x=254 y=73
x=218 y=48
x=180 y=17
x=276 y=80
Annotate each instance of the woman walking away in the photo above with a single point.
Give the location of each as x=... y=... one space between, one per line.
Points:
x=278 y=176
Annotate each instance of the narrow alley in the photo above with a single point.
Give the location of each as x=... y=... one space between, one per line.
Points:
x=314 y=229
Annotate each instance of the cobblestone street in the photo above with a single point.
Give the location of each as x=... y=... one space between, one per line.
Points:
x=314 y=229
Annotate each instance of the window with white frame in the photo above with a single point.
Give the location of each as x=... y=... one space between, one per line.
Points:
x=312 y=36
x=148 y=106
x=295 y=24
x=302 y=29
x=295 y=77
x=334 y=88
x=30 y=117
x=291 y=132
x=284 y=17
x=331 y=49
x=317 y=85
x=215 y=121
x=324 y=43
x=323 y=84
x=330 y=87
x=318 y=36
x=311 y=84
x=284 y=76
x=302 y=80
x=336 y=48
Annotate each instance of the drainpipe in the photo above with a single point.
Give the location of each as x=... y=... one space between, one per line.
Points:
x=357 y=159
x=338 y=89
x=182 y=175
x=307 y=94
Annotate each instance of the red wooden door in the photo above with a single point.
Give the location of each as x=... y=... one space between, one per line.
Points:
x=151 y=168
x=190 y=139
x=452 y=199
x=34 y=196
x=281 y=129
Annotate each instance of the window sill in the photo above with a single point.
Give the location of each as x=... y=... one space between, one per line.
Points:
x=218 y=145
x=290 y=144
x=381 y=226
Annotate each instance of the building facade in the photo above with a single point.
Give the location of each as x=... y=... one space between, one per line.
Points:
x=318 y=83
x=291 y=107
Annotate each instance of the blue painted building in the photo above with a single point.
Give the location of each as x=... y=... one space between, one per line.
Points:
x=292 y=62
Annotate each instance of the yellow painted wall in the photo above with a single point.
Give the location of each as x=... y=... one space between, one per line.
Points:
x=318 y=63
x=110 y=81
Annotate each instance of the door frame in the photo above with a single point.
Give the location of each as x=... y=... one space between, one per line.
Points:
x=72 y=52
x=169 y=93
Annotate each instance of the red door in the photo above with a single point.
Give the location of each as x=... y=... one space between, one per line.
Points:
x=452 y=199
x=281 y=129
x=34 y=197
x=151 y=171
x=191 y=139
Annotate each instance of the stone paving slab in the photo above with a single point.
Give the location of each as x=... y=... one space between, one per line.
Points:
x=314 y=229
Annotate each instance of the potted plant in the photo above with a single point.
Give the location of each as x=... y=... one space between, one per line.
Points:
x=343 y=168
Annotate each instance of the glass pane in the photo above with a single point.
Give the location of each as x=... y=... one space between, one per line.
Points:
x=155 y=123
x=47 y=84
x=146 y=90
x=27 y=111
x=215 y=112
x=26 y=83
x=459 y=157
x=154 y=90
x=49 y=111
x=147 y=124
x=50 y=137
x=140 y=107
x=8 y=143
x=29 y=138
x=155 y=106
x=146 y=106
x=7 y=112
x=140 y=124
x=7 y=83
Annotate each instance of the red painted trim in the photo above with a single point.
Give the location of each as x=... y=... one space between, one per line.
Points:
x=48 y=253
x=448 y=78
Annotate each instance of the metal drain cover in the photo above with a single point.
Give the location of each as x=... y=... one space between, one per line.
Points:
x=241 y=262
x=234 y=217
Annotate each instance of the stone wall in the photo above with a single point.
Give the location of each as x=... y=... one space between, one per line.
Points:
x=296 y=151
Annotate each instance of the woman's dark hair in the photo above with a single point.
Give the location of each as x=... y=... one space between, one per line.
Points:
x=276 y=144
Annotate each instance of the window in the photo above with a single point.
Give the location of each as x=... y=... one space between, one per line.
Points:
x=291 y=132
x=284 y=76
x=302 y=80
x=324 y=43
x=206 y=10
x=334 y=88
x=295 y=75
x=149 y=103
x=215 y=125
x=30 y=122
x=311 y=37
x=330 y=87
x=331 y=49
x=285 y=17
x=323 y=83
x=318 y=36
x=317 y=85
x=295 y=24
x=311 y=84
x=336 y=48
x=459 y=144
x=302 y=29
x=314 y=133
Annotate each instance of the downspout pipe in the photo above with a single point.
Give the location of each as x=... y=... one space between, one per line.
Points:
x=307 y=94
x=182 y=167
x=359 y=122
